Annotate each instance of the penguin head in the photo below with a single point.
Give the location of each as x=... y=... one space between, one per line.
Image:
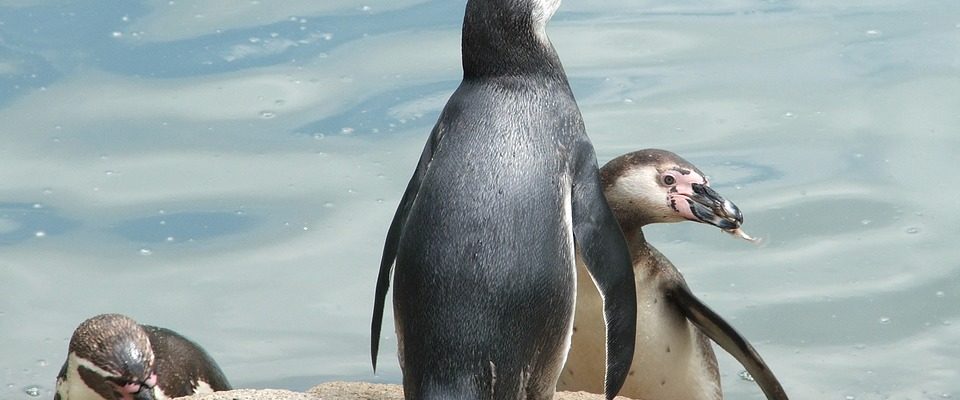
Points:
x=112 y=356
x=651 y=185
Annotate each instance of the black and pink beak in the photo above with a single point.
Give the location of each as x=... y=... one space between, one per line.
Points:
x=703 y=204
x=711 y=208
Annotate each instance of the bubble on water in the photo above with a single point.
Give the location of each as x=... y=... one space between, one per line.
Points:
x=379 y=201
x=849 y=397
x=884 y=320
x=116 y=34
x=32 y=390
x=873 y=32
x=628 y=100
x=170 y=238
x=279 y=102
x=47 y=191
x=267 y=114
x=145 y=252
x=789 y=115
x=37 y=206
x=40 y=234
x=108 y=173
x=125 y=18
x=940 y=293
x=365 y=8
x=347 y=130
x=744 y=375
x=913 y=230
x=860 y=346
x=865 y=222
x=42 y=363
x=945 y=395
x=328 y=204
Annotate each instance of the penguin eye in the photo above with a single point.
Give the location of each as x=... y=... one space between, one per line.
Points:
x=669 y=180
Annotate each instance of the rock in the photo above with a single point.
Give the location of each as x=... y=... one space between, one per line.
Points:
x=253 y=394
x=345 y=391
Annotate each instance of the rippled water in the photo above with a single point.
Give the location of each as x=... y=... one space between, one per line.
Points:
x=229 y=170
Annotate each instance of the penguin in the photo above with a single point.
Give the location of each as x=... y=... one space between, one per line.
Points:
x=112 y=357
x=506 y=191
x=674 y=359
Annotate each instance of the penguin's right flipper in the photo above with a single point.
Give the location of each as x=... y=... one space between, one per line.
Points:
x=715 y=327
x=604 y=251
x=393 y=240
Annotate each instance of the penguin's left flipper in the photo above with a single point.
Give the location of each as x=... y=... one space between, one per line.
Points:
x=605 y=253
x=721 y=332
x=393 y=240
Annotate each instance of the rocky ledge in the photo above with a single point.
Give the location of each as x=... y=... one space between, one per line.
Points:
x=345 y=391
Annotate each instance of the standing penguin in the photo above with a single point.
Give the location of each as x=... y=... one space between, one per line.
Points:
x=507 y=190
x=112 y=357
x=674 y=359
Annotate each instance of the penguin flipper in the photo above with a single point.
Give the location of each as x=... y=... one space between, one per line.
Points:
x=721 y=332
x=605 y=253
x=393 y=240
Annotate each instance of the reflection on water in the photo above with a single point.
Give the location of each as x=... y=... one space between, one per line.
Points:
x=20 y=222
x=228 y=169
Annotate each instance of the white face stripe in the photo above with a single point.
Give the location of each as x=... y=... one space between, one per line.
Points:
x=543 y=10
x=73 y=387
x=77 y=362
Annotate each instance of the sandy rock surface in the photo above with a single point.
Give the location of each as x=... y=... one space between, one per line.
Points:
x=345 y=391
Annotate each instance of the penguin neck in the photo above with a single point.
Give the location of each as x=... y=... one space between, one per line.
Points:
x=507 y=38
x=632 y=228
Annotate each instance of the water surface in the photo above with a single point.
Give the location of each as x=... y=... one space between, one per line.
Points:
x=229 y=170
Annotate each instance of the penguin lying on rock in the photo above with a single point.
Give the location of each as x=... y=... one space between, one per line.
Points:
x=112 y=357
x=673 y=358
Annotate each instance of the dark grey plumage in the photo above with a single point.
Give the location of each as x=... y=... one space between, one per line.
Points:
x=484 y=235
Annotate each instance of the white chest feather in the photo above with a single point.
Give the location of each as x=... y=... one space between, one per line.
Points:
x=668 y=363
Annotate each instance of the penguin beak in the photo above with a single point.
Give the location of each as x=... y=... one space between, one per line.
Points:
x=705 y=205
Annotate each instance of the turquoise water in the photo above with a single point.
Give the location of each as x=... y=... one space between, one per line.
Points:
x=228 y=170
